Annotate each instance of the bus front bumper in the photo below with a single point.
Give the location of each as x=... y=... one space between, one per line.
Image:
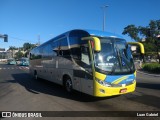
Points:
x=103 y=91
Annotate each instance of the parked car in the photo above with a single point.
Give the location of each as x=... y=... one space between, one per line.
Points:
x=11 y=61
x=24 y=61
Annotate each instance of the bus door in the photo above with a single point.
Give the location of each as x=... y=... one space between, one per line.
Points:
x=86 y=71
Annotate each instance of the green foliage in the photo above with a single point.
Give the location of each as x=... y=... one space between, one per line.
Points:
x=12 y=48
x=132 y=31
x=149 y=47
x=26 y=53
x=151 y=67
x=19 y=54
x=27 y=46
x=149 y=32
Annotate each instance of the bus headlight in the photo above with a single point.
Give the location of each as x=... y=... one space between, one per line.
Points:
x=103 y=83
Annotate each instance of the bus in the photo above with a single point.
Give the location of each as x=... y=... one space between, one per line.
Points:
x=24 y=61
x=93 y=62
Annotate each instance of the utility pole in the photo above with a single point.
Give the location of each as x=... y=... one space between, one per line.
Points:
x=104 y=16
x=39 y=39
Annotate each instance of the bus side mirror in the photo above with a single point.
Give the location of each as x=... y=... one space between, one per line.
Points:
x=140 y=45
x=97 y=43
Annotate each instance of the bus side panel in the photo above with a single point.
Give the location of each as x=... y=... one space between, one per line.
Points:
x=86 y=81
x=77 y=80
x=87 y=86
x=35 y=65
x=64 y=66
x=49 y=69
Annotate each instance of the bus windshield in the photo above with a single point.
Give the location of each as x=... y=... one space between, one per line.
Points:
x=114 y=58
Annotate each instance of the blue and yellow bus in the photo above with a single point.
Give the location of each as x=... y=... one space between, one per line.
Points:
x=93 y=62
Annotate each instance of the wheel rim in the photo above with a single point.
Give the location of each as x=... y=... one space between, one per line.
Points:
x=68 y=85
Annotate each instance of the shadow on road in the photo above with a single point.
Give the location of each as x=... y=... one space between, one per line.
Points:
x=149 y=85
x=46 y=87
x=148 y=100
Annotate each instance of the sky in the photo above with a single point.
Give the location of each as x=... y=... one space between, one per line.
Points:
x=30 y=20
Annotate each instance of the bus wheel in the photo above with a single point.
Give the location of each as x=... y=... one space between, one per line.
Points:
x=35 y=75
x=68 y=85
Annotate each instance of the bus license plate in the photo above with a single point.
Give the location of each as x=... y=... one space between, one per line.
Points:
x=123 y=90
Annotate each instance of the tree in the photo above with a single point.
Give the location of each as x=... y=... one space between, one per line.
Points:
x=26 y=46
x=12 y=48
x=19 y=54
x=132 y=31
x=150 y=33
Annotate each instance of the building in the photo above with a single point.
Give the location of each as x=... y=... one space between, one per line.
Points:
x=2 y=54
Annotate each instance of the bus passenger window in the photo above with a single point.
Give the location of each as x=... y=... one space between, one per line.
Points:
x=76 y=53
x=85 y=55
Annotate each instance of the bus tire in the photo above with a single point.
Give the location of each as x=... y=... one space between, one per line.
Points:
x=68 y=85
x=35 y=75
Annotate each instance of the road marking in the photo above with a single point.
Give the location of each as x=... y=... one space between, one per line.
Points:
x=12 y=68
x=27 y=67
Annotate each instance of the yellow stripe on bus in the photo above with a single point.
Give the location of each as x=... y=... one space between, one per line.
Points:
x=119 y=80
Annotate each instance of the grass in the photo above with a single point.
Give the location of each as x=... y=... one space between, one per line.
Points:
x=151 y=67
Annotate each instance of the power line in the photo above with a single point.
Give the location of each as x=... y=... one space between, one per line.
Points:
x=20 y=39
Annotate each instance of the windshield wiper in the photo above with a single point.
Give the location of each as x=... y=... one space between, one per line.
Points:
x=115 y=64
x=113 y=68
x=126 y=62
x=120 y=60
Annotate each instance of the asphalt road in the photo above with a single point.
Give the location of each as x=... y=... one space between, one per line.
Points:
x=20 y=92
